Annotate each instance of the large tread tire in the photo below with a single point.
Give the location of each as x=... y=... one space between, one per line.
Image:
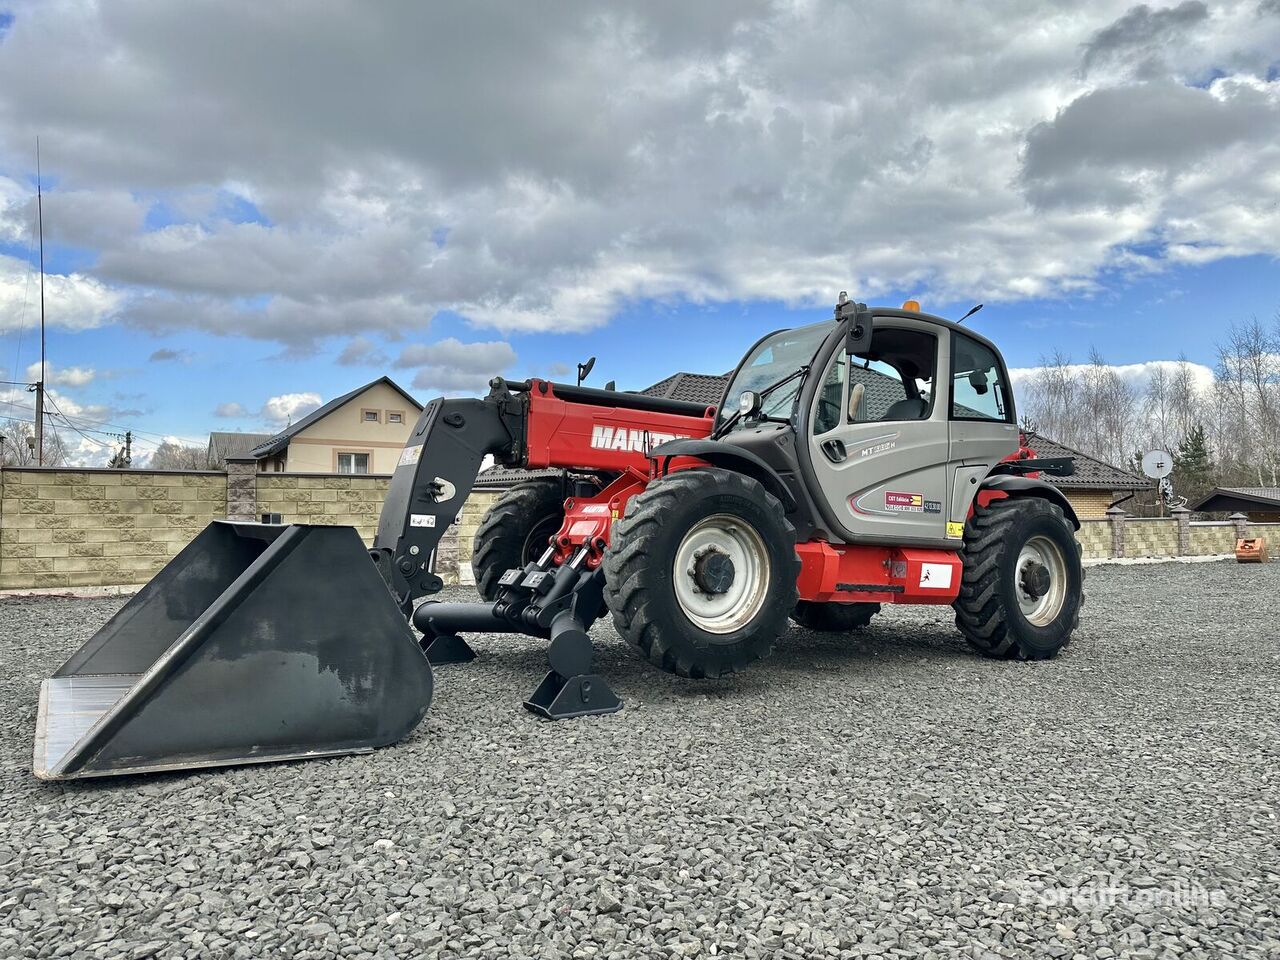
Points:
x=505 y=536
x=639 y=588
x=834 y=617
x=987 y=609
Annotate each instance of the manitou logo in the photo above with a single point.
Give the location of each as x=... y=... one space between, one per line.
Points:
x=637 y=441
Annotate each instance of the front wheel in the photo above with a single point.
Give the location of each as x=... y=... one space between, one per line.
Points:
x=1023 y=583
x=701 y=573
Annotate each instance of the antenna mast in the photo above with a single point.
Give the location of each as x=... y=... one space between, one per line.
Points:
x=40 y=382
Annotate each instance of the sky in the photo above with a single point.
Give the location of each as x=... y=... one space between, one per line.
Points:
x=250 y=209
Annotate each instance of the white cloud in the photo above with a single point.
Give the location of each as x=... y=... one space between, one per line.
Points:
x=230 y=410
x=361 y=352
x=62 y=376
x=72 y=301
x=1137 y=375
x=454 y=366
x=624 y=152
x=284 y=409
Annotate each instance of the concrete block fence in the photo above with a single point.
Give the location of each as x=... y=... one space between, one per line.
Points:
x=63 y=528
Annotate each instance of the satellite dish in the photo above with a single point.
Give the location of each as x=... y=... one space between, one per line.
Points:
x=1157 y=464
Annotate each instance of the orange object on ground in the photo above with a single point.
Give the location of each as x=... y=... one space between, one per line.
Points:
x=1251 y=550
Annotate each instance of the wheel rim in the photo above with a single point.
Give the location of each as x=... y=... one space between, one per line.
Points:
x=1040 y=580
x=539 y=538
x=721 y=574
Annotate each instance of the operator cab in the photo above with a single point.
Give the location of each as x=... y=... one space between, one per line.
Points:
x=859 y=416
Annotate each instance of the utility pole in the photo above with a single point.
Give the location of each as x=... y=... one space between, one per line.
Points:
x=40 y=382
x=128 y=447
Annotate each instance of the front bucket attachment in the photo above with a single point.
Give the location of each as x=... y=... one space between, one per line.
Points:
x=255 y=643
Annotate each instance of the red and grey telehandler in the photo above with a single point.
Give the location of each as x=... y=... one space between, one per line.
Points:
x=870 y=459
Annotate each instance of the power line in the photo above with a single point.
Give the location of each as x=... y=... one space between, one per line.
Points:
x=59 y=412
x=82 y=421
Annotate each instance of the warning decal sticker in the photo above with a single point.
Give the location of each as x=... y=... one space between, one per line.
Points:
x=935 y=576
x=904 y=502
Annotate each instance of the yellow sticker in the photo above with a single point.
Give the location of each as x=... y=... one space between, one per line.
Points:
x=955 y=529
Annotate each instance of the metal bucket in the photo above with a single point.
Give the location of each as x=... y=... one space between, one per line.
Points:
x=256 y=643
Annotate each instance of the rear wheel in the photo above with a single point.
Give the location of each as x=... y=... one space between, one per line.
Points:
x=834 y=617
x=1022 y=586
x=516 y=530
x=701 y=573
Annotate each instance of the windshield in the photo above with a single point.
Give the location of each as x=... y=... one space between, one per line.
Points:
x=772 y=359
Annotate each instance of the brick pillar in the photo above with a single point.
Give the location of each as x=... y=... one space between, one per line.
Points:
x=1242 y=525
x=242 y=489
x=1116 y=516
x=1183 y=516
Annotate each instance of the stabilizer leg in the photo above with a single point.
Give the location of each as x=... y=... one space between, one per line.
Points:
x=448 y=648
x=570 y=689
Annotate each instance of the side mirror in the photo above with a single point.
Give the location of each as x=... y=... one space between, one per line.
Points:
x=858 y=338
x=978 y=380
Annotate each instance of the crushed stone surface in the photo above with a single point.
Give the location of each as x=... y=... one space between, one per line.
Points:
x=886 y=793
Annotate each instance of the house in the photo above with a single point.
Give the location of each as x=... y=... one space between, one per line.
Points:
x=1259 y=504
x=359 y=432
x=225 y=445
x=1093 y=487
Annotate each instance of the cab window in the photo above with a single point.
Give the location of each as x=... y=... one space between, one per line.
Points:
x=891 y=381
x=978 y=387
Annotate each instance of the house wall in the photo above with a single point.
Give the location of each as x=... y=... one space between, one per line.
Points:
x=1091 y=504
x=315 y=449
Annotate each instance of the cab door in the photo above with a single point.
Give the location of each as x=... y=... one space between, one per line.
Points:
x=879 y=435
x=984 y=428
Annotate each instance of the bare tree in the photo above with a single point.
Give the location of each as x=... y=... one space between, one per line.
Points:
x=175 y=456
x=1091 y=407
x=17 y=445
x=1248 y=384
x=1157 y=408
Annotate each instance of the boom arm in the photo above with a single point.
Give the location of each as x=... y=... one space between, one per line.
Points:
x=437 y=469
x=533 y=424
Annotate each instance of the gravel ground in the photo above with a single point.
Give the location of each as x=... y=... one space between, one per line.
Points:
x=888 y=793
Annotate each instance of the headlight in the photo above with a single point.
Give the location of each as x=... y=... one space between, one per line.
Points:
x=748 y=403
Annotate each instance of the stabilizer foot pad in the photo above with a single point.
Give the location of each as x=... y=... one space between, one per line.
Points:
x=562 y=698
x=449 y=648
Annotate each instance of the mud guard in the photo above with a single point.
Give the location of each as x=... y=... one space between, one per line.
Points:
x=730 y=457
x=1031 y=487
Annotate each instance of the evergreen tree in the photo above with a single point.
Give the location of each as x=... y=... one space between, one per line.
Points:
x=1193 y=474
